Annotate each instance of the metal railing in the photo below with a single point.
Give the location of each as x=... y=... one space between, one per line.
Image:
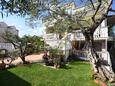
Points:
x=84 y=54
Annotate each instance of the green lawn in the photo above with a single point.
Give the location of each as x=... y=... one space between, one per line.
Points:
x=75 y=74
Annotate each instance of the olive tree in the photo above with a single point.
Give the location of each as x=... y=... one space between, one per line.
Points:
x=19 y=44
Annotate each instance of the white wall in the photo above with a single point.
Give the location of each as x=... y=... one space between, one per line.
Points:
x=7 y=46
x=51 y=39
x=100 y=33
x=52 y=43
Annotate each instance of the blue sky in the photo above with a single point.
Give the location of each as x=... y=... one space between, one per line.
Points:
x=23 y=28
x=113 y=6
x=21 y=25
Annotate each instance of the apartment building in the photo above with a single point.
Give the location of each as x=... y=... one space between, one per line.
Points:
x=103 y=36
x=4 y=44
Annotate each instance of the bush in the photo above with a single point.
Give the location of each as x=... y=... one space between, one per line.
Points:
x=57 y=57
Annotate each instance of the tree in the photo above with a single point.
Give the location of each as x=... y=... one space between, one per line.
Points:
x=55 y=9
x=18 y=43
x=88 y=23
x=35 y=44
x=61 y=26
x=26 y=45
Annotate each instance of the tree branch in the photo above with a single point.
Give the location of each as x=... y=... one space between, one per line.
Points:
x=112 y=10
x=99 y=5
x=104 y=16
x=92 y=4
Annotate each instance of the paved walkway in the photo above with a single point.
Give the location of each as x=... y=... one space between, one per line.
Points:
x=29 y=58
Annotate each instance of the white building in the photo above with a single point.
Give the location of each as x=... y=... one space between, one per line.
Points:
x=51 y=39
x=3 y=43
x=104 y=40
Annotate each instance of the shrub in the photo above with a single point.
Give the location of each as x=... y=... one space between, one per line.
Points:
x=57 y=57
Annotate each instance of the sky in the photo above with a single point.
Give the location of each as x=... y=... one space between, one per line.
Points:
x=24 y=29
x=21 y=25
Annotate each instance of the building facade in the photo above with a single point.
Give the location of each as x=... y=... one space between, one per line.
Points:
x=4 y=44
x=103 y=39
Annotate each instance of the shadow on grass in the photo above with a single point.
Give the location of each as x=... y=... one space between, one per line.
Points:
x=75 y=62
x=66 y=67
x=9 y=79
x=79 y=62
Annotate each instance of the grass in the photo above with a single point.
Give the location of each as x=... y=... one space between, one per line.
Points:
x=75 y=74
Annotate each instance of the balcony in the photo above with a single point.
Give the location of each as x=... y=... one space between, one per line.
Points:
x=50 y=37
x=99 y=34
x=77 y=35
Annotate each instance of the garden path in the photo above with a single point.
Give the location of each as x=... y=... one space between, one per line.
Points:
x=29 y=58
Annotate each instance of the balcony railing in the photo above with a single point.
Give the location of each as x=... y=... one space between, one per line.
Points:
x=104 y=56
x=100 y=33
x=85 y=54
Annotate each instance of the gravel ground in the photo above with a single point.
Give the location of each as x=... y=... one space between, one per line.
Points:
x=29 y=58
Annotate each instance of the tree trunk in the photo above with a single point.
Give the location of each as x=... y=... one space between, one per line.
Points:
x=2 y=65
x=23 y=53
x=23 y=59
x=98 y=66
